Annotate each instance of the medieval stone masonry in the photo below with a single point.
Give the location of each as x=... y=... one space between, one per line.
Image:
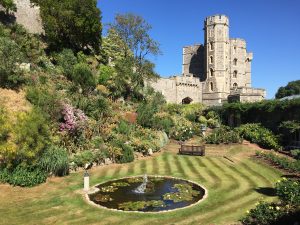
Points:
x=215 y=72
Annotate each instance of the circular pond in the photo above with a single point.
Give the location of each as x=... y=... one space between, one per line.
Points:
x=147 y=194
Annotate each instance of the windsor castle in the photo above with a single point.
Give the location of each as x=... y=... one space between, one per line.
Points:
x=213 y=73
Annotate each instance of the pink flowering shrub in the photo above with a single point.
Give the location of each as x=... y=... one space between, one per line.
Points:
x=73 y=119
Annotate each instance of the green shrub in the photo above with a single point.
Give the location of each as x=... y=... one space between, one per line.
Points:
x=94 y=106
x=202 y=120
x=124 y=127
x=66 y=60
x=212 y=115
x=192 y=111
x=162 y=121
x=255 y=133
x=212 y=123
x=24 y=139
x=83 y=76
x=146 y=113
x=127 y=154
x=223 y=135
x=174 y=109
x=263 y=214
x=182 y=129
x=82 y=158
x=55 y=161
x=46 y=99
x=11 y=57
x=288 y=191
x=296 y=153
x=282 y=162
x=105 y=73
x=23 y=176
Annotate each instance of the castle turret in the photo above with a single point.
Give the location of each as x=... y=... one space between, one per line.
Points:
x=216 y=37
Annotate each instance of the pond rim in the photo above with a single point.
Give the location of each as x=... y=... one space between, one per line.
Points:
x=94 y=189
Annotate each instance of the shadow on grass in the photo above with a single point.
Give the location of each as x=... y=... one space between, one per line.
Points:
x=266 y=191
x=291 y=176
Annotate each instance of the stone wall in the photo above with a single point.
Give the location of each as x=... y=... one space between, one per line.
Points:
x=29 y=16
x=193 y=61
x=26 y=15
x=177 y=88
x=240 y=64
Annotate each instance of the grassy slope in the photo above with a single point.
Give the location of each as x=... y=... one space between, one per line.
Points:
x=231 y=191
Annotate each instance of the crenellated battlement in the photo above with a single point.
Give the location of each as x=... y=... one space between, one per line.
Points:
x=216 y=19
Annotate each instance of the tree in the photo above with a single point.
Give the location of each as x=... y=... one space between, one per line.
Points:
x=10 y=56
x=111 y=45
x=73 y=24
x=134 y=31
x=8 y=5
x=292 y=88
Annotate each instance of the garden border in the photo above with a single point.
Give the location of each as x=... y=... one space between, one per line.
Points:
x=94 y=189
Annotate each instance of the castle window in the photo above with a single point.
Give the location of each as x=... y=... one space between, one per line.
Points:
x=247 y=60
x=211 y=86
x=211 y=72
x=235 y=74
x=234 y=49
x=235 y=62
x=235 y=85
x=211 y=46
x=211 y=59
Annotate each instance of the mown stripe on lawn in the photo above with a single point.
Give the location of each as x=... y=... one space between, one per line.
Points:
x=238 y=196
x=178 y=163
x=166 y=165
x=116 y=172
x=131 y=168
x=143 y=166
x=193 y=169
x=155 y=166
x=216 y=179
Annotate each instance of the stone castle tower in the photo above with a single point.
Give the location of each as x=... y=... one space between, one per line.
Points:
x=222 y=66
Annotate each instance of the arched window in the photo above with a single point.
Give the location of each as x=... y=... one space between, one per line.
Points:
x=211 y=86
x=211 y=72
x=247 y=60
x=211 y=59
x=235 y=85
x=234 y=49
x=235 y=62
x=211 y=46
x=235 y=74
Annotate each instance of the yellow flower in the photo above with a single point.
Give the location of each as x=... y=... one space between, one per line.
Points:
x=248 y=211
x=277 y=208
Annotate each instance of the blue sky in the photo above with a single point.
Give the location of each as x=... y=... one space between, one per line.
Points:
x=270 y=27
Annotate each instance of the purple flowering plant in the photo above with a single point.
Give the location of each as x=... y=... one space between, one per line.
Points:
x=73 y=119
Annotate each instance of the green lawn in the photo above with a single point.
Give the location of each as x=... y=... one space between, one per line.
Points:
x=232 y=189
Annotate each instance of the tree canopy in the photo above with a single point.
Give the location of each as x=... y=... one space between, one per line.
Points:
x=292 y=88
x=73 y=24
x=134 y=31
x=8 y=5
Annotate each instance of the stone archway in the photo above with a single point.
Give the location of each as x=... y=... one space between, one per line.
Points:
x=186 y=100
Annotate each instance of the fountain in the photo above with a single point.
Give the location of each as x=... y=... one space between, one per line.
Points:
x=142 y=188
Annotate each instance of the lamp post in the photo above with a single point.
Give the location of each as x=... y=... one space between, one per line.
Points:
x=86 y=181
x=203 y=129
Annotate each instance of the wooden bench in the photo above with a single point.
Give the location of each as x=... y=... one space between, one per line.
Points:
x=192 y=149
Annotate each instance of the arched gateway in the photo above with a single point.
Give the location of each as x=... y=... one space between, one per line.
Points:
x=187 y=100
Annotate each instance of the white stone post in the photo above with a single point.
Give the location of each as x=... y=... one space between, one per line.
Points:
x=86 y=181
